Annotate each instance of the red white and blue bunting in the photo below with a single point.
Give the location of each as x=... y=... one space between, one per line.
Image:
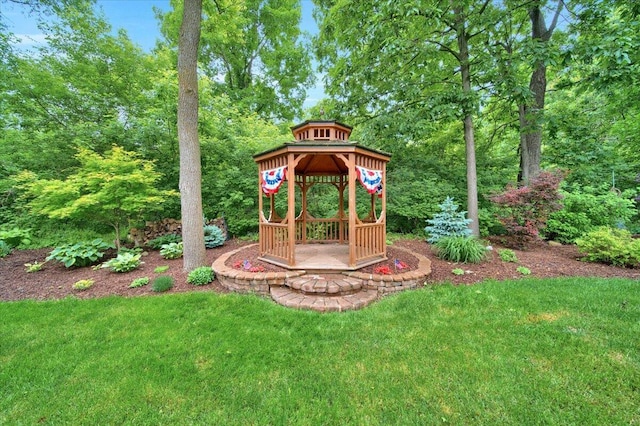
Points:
x=271 y=180
x=370 y=179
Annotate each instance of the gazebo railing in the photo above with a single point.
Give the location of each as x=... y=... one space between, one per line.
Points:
x=370 y=240
x=331 y=230
x=274 y=241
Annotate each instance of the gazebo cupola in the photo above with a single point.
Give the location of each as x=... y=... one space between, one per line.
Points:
x=322 y=154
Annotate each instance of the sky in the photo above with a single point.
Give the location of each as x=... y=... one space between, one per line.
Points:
x=138 y=19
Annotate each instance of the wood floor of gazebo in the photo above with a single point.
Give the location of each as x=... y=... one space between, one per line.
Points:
x=325 y=258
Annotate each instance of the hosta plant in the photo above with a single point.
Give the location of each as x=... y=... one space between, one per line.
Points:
x=83 y=285
x=171 y=250
x=79 y=254
x=124 y=262
x=139 y=282
x=157 y=243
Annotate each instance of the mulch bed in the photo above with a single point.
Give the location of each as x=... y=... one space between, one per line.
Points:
x=54 y=281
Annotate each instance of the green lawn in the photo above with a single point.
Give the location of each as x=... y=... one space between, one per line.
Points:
x=521 y=352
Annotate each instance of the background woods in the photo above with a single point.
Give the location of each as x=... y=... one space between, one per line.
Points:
x=468 y=98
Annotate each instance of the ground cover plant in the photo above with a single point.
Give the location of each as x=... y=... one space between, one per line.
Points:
x=562 y=350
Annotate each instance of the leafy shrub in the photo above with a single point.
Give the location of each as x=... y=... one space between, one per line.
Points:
x=161 y=269
x=608 y=245
x=523 y=270
x=448 y=223
x=171 y=250
x=157 y=243
x=15 y=236
x=524 y=210
x=83 y=285
x=162 y=283
x=507 y=255
x=79 y=254
x=124 y=262
x=201 y=276
x=213 y=236
x=461 y=249
x=139 y=282
x=586 y=209
x=5 y=249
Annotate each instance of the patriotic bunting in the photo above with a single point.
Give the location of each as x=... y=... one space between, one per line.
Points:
x=272 y=179
x=370 y=179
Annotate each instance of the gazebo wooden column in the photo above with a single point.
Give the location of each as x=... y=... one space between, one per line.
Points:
x=353 y=215
x=291 y=206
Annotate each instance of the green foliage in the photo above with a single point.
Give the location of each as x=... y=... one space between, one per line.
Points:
x=171 y=250
x=34 y=267
x=139 y=282
x=162 y=283
x=587 y=208
x=83 y=285
x=461 y=249
x=523 y=270
x=113 y=189
x=448 y=223
x=507 y=255
x=79 y=254
x=15 y=237
x=201 y=276
x=457 y=271
x=213 y=236
x=157 y=243
x=5 y=249
x=124 y=262
x=161 y=269
x=613 y=246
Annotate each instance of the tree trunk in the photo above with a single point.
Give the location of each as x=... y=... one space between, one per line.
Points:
x=190 y=166
x=530 y=115
x=470 y=147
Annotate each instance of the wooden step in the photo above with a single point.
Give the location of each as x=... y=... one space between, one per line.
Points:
x=321 y=302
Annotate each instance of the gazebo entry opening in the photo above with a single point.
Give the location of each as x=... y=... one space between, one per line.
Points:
x=322 y=163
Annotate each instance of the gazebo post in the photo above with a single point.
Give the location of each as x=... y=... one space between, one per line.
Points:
x=304 y=209
x=383 y=209
x=352 y=210
x=261 y=213
x=291 y=212
x=341 y=209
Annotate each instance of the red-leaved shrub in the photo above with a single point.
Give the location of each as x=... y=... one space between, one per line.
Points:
x=524 y=210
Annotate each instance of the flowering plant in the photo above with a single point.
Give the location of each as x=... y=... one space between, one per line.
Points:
x=382 y=270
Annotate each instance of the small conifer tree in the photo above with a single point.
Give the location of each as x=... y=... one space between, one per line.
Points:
x=448 y=223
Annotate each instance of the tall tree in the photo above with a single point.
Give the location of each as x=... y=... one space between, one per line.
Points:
x=255 y=52
x=530 y=113
x=190 y=167
x=423 y=57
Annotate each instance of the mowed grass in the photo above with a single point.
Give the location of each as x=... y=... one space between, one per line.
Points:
x=522 y=352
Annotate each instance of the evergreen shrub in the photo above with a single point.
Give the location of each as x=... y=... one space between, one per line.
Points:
x=448 y=223
x=461 y=249
x=613 y=246
x=213 y=236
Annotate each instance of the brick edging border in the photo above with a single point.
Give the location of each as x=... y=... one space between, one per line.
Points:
x=259 y=282
x=386 y=284
x=248 y=282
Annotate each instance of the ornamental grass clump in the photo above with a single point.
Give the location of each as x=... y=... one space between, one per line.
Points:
x=201 y=276
x=461 y=249
x=162 y=283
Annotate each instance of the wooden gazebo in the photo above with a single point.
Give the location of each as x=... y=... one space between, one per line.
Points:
x=322 y=154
